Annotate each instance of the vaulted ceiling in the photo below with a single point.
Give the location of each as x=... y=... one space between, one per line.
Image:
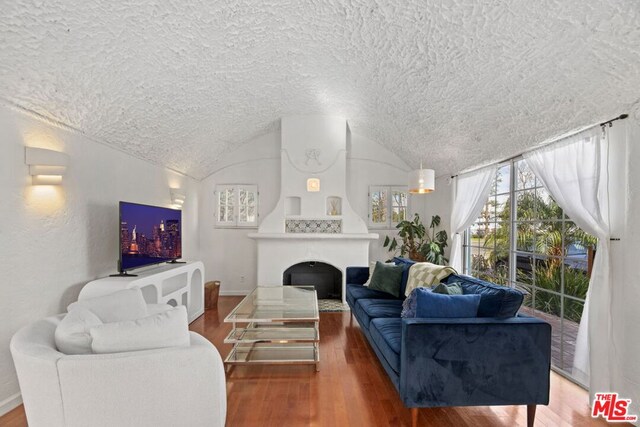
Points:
x=454 y=83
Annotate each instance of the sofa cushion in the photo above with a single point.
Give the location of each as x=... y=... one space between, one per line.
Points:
x=166 y=329
x=126 y=304
x=495 y=301
x=356 y=292
x=357 y=275
x=387 y=278
x=406 y=263
x=368 y=309
x=387 y=336
x=72 y=333
x=434 y=305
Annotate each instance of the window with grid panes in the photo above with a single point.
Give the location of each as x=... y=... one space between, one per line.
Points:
x=237 y=205
x=536 y=248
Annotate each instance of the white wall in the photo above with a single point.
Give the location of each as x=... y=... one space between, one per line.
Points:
x=53 y=240
x=229 y=254
x=439 y=202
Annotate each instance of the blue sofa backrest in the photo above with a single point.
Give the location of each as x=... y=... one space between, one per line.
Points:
x=495 y=301
x=406 y=263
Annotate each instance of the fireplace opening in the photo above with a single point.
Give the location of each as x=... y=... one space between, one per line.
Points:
x=325 y=278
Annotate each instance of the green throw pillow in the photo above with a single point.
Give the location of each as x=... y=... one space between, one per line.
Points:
x=452 y=289
x=387 y=278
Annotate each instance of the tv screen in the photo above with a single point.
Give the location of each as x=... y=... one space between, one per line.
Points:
x=148 y=235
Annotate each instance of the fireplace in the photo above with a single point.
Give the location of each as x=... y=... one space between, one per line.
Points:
x=313 y=221
x=325 y=278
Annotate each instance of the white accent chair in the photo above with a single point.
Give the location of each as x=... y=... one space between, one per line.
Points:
x=178 y=386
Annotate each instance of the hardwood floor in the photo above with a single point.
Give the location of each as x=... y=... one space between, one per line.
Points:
x=351 y=388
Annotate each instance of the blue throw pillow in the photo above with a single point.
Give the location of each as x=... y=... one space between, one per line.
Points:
x=431 y=304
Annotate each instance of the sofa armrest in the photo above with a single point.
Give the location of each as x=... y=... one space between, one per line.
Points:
x=163 y=387
x=479 y=361
x=357 y=275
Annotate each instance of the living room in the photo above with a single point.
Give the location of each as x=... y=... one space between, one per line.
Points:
x=320 y=213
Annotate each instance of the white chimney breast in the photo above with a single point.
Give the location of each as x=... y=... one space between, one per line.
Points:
x=312 y=147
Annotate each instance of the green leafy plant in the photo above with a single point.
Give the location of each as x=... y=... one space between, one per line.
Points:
x=419 y=243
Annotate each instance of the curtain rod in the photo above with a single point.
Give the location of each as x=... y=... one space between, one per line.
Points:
x=603 y=124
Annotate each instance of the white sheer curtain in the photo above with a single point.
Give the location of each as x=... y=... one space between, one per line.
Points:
x=471 y=191
x=574 y=171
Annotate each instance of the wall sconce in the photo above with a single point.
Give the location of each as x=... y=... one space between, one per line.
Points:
x=46 y=167
x=177 y=198
x=313 y=185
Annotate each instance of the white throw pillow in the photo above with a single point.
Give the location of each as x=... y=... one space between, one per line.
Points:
x=72 y=334
x=126 y=304
x=166 y=329
x=157 y=308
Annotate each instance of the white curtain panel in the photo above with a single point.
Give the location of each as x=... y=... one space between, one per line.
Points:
x=471 y=191
x=574 y=171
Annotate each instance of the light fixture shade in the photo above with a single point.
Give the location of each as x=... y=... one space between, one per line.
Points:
x=46 y=167
x=313 y=185
x=177 y=197
x=422 y=181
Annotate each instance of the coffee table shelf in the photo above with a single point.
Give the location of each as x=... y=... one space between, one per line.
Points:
x=273 y=354
x=275 y=325
x=282 y=335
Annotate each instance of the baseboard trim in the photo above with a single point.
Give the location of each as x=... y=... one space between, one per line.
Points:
x=234 y=293
x=11 y=403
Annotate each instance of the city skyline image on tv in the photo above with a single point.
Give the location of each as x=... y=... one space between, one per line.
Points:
x=149 y=235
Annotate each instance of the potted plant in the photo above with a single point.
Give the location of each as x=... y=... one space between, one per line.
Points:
x=419 y=243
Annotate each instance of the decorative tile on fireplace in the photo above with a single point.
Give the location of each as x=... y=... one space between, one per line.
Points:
x=331 y=226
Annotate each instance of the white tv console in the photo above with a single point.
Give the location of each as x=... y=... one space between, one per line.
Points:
x=173 y=284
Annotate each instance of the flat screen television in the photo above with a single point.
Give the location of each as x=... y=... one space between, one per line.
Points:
x=148 y=235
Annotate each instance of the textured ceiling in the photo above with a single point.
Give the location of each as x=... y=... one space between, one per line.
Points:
x=455 y=83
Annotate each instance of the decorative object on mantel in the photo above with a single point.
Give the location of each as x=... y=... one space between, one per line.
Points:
x=334 y=206
x=313 y=185
x=422 y=181
x=330 y=226
x=414 y=241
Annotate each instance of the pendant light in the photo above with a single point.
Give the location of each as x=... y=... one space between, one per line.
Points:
x=422 y=181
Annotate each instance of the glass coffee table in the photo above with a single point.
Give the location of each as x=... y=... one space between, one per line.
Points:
x=275 y=325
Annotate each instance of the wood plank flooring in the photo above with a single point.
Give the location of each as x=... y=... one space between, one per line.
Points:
x=351 y=388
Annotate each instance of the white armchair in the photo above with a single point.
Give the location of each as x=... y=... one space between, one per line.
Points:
x=179 y=386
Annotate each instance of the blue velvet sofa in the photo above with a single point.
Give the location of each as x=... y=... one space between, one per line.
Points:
x=498 y=358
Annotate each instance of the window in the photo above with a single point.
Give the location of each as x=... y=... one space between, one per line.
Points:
x=237 y=205
x=387 y=206
x=488 y=238
x=536 y=248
